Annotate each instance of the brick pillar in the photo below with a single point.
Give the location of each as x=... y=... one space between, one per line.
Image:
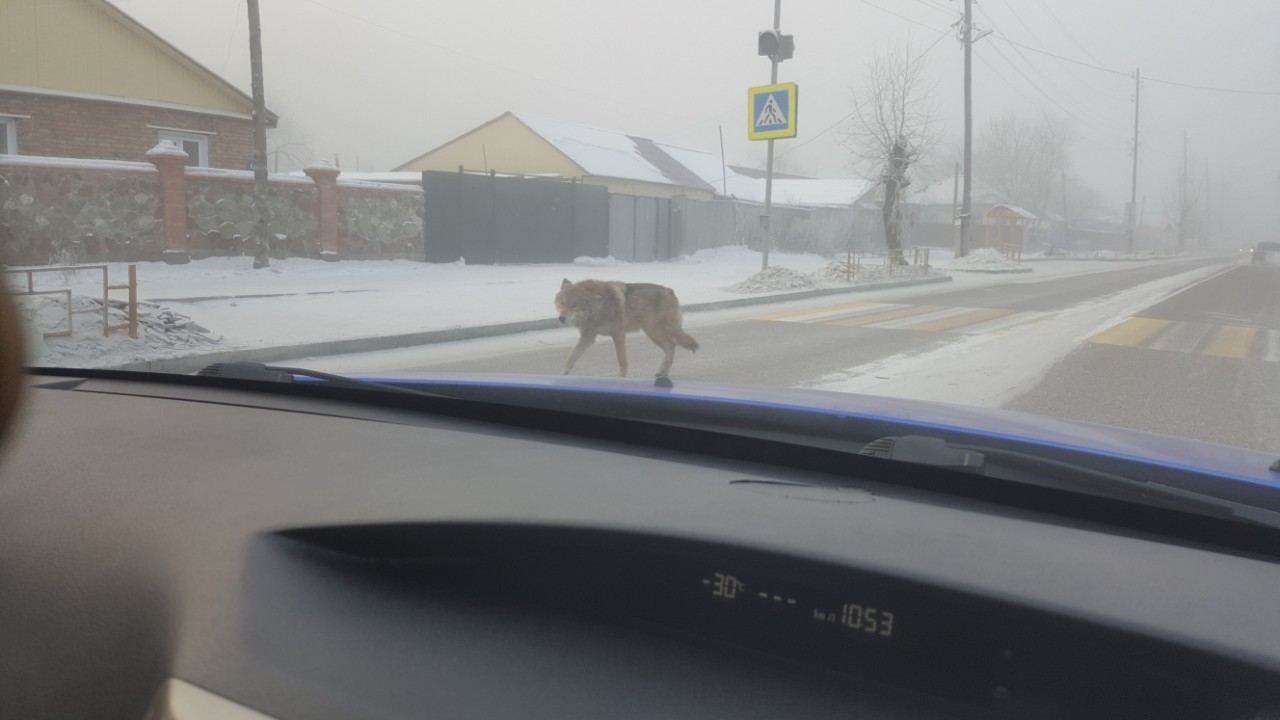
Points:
x=171 y=161
x=325 y=176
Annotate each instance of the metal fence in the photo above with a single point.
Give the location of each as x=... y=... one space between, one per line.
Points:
x=487 y=219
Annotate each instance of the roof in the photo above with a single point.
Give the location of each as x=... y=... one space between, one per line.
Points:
x=1012 y=210
x=117 y=29
x=607 y=153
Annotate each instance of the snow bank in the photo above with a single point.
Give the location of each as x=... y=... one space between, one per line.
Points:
x=775 y=279
x=987 y=260
x=162 y=333
x=837 y=273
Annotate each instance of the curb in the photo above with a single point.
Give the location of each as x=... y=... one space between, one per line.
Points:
x=193 y=363
x=1010 y=271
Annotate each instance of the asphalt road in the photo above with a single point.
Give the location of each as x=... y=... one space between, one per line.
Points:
x=1203 y=362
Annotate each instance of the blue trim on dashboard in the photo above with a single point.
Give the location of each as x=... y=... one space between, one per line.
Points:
x=1261 y=482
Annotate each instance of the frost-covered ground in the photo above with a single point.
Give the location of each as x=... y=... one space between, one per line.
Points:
x=987 y=260
x=302 y=301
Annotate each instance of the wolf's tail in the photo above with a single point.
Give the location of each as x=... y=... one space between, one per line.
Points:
x=685 y=340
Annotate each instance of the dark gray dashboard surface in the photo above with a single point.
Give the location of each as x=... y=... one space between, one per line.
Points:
x=132 y=544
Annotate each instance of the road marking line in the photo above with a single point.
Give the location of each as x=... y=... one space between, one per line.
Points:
x=1003 y=323
x=906 y=322
x=1272 y=351
x=1231 y=342
x=882 y=316
x=970 y=317
x=793 y=315
x=1183 y=337
x=1130 y=333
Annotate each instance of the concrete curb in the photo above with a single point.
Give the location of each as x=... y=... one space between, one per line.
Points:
x=193 y=363
x=1010 y=271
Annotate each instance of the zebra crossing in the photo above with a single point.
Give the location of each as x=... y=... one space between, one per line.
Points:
x=918 y=318
x=1225 y=340
x=1238 y=342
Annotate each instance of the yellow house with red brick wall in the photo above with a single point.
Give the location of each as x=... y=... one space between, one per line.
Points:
x=80 y=78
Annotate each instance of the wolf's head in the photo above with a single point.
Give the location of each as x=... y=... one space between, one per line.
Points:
x=575 y=302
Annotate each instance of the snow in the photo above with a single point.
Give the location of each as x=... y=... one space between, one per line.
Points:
x=837 y=273
x=167 y=148
x=162 y=333
x=598 y=152
x=300 y=301
x=987 y=370
x=987 y=260
x=74 y=163
x=774 y=279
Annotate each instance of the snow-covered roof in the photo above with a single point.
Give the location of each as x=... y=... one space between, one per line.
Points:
x=1015 y=210
x=820 y=192
x=607 y=153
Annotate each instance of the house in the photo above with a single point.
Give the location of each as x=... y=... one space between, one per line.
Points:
x=522 y=144
x=82 y=79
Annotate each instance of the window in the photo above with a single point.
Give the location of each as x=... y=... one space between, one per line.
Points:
x=8 y=136
x=194 y=144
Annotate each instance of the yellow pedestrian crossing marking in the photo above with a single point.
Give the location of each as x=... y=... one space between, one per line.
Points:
x=868 y=319
x=1231 y=342
x=1132 y=332
x=1225 y=341
x=959 y=321
x=831 y=310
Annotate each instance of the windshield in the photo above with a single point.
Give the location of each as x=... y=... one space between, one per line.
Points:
x=1045 y=207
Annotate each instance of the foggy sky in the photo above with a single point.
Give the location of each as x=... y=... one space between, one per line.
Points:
x=378 y=82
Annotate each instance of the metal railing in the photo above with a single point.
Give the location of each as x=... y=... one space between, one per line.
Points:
x=132 y=286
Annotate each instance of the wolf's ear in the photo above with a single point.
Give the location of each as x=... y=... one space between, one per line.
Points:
x=565 y=284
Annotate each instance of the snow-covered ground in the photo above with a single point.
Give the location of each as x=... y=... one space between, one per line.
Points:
x=988 y=260
x=300 y=301
x=987 y=370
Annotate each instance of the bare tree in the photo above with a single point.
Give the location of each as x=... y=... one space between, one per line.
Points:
x=289 y=146
x=1023 y=159
x=893 y=128
x=1181 y=203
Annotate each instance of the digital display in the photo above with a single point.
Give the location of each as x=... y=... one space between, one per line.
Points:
x=855 y=616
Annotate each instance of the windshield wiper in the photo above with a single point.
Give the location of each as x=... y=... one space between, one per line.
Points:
x=987 y=460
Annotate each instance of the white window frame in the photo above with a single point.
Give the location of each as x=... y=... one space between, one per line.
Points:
x=181 y=136
x=9 y=127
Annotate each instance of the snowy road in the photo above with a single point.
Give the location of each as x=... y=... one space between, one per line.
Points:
x=1159 y=347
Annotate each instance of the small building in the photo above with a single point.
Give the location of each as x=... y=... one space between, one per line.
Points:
x=82 y=79
x=1009 y=227
x=522 y=144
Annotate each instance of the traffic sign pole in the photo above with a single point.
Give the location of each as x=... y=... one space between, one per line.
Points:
x=767 y=231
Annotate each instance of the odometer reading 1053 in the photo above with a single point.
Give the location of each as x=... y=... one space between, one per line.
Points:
x=851 y=617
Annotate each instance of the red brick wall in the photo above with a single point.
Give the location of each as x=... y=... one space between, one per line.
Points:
x=98 y=129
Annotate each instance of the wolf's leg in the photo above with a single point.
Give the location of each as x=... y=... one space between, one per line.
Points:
x=667 y=343
x=620 y=346
x=584 y=342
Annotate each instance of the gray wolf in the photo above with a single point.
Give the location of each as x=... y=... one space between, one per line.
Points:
x=599 y=307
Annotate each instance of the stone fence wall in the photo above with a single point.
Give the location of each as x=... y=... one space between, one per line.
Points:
x=56 y=209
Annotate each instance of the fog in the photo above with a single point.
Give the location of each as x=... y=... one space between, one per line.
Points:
x=377 y=82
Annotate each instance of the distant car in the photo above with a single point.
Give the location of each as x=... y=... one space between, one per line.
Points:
x=1268 y=252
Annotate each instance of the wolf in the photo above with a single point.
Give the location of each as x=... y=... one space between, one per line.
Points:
x=598 y=307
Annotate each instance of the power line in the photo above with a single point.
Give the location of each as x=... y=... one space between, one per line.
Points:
x=859 y=106
x=1066 y=31
x=900 y=16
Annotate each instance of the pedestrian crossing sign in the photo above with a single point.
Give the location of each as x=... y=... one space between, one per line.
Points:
x=771 y=111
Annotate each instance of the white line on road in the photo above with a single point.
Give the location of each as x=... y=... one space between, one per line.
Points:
x=1272 y=351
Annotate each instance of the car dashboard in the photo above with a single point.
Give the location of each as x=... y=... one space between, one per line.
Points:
x=198 y=550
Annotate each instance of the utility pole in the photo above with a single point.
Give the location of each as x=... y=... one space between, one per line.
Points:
x=1133 y=188
x=1182 y=201
x=768 y=177
x=955 y=207
x=261 y=223
x=724 y=168
x=1066 y=218
x=966 y=206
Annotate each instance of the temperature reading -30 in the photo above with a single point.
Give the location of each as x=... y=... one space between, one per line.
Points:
x=726 y=586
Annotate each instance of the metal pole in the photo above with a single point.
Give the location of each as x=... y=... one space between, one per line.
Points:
x=261 y=222
x=1133 y=189
x=955 y=206
x=768 y=173
x=133 y=302
x=966 y=207
x=724 y=168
